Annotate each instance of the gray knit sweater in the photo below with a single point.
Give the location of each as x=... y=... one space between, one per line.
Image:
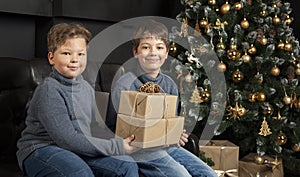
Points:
x=60 y=114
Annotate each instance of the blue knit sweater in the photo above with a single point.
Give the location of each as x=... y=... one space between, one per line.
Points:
x=60 y=114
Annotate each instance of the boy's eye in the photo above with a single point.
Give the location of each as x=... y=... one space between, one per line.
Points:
x=81 y=54
x=145 y=47
x=160 y=47
x=66 y=53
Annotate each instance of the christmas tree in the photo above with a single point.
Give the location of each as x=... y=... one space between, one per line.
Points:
x=259 y=57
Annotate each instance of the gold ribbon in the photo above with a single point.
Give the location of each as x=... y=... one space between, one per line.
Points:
x=222 y=173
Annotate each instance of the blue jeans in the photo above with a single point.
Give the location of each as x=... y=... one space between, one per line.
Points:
x=52 y=161
x=195 y=166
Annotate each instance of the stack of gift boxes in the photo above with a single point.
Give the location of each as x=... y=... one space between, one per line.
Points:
x=151 y=117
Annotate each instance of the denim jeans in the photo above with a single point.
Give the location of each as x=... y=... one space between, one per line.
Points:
x=195 y=166
x=52 y=161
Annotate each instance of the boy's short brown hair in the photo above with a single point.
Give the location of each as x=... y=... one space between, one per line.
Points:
x=151 y=28
x=59 y=33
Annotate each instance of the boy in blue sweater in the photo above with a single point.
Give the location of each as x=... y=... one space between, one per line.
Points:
x=57 y=140
x=150 y=50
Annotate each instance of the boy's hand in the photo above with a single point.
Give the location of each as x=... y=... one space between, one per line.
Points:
x=183 y=138
x=127 y=145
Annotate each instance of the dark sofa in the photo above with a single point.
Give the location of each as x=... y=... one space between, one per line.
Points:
x=18 y=80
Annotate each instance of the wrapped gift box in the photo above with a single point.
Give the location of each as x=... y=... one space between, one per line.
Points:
x=224 y=154
x=150 y=132
x=147 y=105
x=248 y=167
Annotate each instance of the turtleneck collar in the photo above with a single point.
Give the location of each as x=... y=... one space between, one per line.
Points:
x=144 y=77
x=64 y=80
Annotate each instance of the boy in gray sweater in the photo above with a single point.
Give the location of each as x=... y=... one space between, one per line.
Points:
x=57 y=140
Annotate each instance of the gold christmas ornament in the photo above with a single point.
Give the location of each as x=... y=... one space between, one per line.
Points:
x=276 y=20
x=212 y=2
x=297 y=71
x=233 y=53
x=237 y=6
x=288 y=46
x=225 y=8
x=220 y=45
x=173 y=48
x=251 y=97
x=297 y=104
x=245 y=23
x=263 y=13
x=195 y=98
x=281 y=138
x=296 y=147
x=252 y=49
x=279 y=117
x=263 y=40
x=221 y=67
x=287 y=100
x=275 y=71
x=260 y=96
x=246 y=58
x=288 y=20
x=280 y=45
x=236 y=112
x=265 y=130
x=237 y=76
x=258 y=159
x=203 y=23
x=205 y=95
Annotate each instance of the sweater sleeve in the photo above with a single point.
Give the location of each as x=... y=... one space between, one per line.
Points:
x=52 y=112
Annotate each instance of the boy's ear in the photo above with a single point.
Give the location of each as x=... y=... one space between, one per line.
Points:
x=50 y=58
x=134 y=52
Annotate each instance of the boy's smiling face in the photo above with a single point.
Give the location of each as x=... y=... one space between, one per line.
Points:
x=70 y=59
x=152 y=52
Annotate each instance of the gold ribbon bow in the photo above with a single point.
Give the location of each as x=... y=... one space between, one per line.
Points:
x=227 y=173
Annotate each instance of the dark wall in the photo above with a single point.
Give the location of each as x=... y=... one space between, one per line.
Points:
x=24 y=23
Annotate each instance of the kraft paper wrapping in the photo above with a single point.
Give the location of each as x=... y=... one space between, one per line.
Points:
x=248 y=167
x=150 y=132
x=147 y=105
x=224 y=154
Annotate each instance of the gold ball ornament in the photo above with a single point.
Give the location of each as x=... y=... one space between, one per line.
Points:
x=233 y=53
x=245 y=23
x=288 y=20
x=212 y=2
x=205 y=95
x=280 y=45
x=203 y=23
x=297 y=71
x=287 y=100
x=252 y=49
x=221 y=67
x=263 y=41
x=275 y=71
x=173 y=48
x=263 y=13
x=221 y=46
x=237 y=76
x=246 y=58
x=296 y=147
x=237 y=6
x=259 y=159
x=281 y=138
x=241 y=111
x=251 y=97
x=288 y=46
x=260 y=96
x=276 y=20
x=225 y=8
